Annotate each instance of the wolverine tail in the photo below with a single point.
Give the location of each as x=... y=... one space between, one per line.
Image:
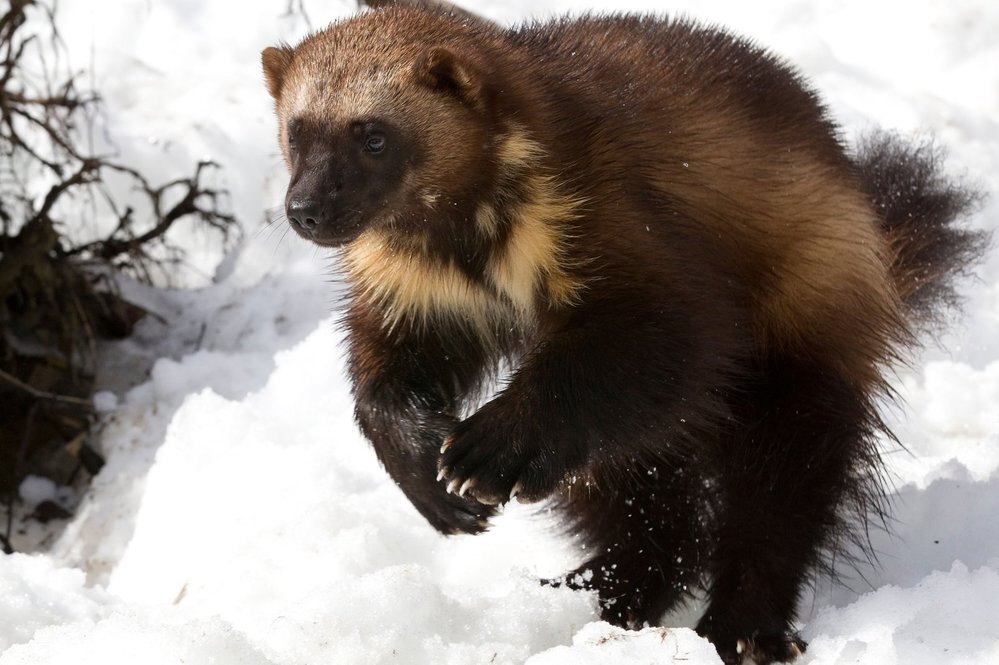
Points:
x=920 y=210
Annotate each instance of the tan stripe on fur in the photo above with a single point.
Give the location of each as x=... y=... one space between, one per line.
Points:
x=534 y=259
x=410 y=287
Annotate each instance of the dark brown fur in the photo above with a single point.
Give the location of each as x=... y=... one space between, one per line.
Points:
x=699 y=290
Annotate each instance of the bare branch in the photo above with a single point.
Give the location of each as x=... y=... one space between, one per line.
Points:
x=82 y=176
x=41 y=394
x=59 y=296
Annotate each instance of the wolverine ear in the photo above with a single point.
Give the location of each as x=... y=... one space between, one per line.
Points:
x=275 y=62
x=445 y=71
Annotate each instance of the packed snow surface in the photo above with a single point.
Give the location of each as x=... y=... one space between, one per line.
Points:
x=241 y=519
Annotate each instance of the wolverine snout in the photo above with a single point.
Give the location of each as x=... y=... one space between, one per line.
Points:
x=325 y=221
x=312 y=204
x=304 y=215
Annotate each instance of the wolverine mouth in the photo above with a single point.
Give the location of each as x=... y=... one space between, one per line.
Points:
x=331 y=233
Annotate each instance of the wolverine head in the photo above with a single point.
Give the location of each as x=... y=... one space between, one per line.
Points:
x=412 y=143
x=385 y=122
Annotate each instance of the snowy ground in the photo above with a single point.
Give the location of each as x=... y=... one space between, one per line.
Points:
x=242 y=519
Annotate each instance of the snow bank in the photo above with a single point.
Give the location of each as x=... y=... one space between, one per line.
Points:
x=948 y=617
x=279 y=488
x=242 y=519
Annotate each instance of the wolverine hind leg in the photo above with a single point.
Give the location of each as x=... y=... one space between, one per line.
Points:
x=804 y=453
x=643 y=531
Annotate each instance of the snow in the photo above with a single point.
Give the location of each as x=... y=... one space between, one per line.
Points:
x=35 y=489
x=241 y=518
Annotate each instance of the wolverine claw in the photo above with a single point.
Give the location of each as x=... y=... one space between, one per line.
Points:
x=465 y=486
x=447 y=444
x=441 y=474
x=453 y=486
x=765 y=649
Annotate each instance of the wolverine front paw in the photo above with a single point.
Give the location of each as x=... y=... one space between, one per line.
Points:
x=493 y=462
x=452 y=514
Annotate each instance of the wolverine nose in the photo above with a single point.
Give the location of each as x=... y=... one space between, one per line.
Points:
x=304 y=213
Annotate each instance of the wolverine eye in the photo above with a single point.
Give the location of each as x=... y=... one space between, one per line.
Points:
x=375 y=143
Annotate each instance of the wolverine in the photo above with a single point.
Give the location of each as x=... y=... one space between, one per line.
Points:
x=652 y=232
